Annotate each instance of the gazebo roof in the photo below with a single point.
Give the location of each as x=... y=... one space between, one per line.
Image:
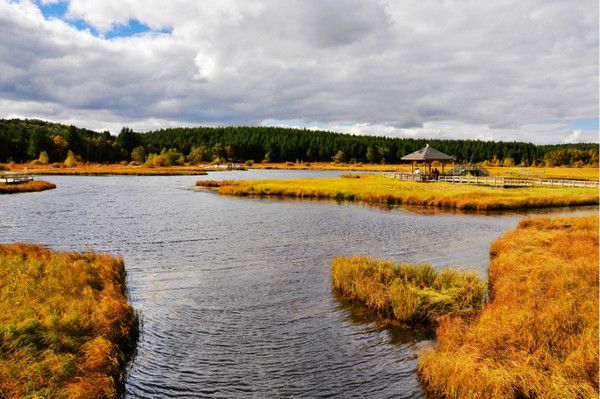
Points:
x=427 y=154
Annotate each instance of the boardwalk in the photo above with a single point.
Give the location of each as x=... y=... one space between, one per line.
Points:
x=14 y=178
x=498 y=181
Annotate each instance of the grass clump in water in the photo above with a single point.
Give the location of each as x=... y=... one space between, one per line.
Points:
x=537 y=337
x=65 y=324
x=408 y=293
x=33 y=185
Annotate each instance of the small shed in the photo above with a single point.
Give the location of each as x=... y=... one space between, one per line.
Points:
x=426 y=156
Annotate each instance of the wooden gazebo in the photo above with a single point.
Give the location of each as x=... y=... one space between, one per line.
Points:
x=426 y=156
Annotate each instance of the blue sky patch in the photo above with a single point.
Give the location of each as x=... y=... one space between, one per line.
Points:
x=590 y=124
x=131 y=28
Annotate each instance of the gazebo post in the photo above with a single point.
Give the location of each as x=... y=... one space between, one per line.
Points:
x=412 y=167
x=443 y=167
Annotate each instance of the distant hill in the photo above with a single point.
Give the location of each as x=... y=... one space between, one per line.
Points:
x=23 y=140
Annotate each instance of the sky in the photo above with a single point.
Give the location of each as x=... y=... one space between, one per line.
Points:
x=464 y=69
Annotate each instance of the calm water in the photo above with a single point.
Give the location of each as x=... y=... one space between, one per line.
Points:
x=234 y=293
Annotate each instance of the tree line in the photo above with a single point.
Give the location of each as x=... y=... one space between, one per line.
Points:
x=24 y=140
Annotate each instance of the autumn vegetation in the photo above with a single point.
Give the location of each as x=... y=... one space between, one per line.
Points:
x=405 y=292
x=32 y=185
x=537 y=336
x=110 y=169
x=380 y=190
x=66 y=328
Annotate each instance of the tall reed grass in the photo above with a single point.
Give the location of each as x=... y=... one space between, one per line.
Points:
x=33 y=185
x=65 y=325
x=538 y=335
x=405 y=292
x=380 y=190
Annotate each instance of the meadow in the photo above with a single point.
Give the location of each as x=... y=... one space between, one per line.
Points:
x=33 y=185
x=380 y=190
x=408 y=293
x=537 y=337
x=66 y=328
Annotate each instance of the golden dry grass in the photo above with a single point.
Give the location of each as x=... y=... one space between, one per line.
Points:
x=111 y=169
x=65 y=324
x=562 y=172
x=33 y=185
x=380 y=190
x=405 y=292
x=549 y=172
x=538 y=336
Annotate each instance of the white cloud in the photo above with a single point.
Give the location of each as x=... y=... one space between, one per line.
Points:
x=496 y=69
x=573 y=137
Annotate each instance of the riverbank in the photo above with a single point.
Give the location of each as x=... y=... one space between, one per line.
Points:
x=110 y=169
x=380 y=190
x=30 y=186
x=538 y=335
x=66 y=327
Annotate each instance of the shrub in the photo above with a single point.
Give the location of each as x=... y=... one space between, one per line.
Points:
x=43 y=159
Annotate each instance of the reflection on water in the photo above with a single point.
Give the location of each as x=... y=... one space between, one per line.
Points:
x=235 y=293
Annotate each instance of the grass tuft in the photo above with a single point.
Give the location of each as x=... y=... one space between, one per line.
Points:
x=408 y=293
x=65 y=325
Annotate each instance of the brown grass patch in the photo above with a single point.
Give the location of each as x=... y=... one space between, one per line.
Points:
x=408 y=293
x=65 y=325
x=33 y=185
x=538 y=335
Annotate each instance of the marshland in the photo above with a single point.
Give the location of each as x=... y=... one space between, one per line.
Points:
x=234 y=294
x=382 y=190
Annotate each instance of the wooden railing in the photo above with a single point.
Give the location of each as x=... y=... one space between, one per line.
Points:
x=496 y=181
x=14 y=177
x=518 y=182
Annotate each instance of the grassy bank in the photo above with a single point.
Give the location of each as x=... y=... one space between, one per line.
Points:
x=33 y=185
x=538 y=335
x=110 y=169
x=377 y=189
x=65 y=324
x=407 y=293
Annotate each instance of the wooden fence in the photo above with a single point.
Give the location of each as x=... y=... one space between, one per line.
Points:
x=499 y=181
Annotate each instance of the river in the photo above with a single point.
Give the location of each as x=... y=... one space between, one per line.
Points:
x=234 y=293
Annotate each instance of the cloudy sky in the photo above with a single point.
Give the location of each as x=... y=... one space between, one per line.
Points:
x=495 y=69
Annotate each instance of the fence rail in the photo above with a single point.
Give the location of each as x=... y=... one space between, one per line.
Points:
x=498 y=181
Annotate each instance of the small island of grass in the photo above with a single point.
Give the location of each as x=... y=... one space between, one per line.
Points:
x=381 y=190
x=66 y=328
x=408 y=293
x=32 y=185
